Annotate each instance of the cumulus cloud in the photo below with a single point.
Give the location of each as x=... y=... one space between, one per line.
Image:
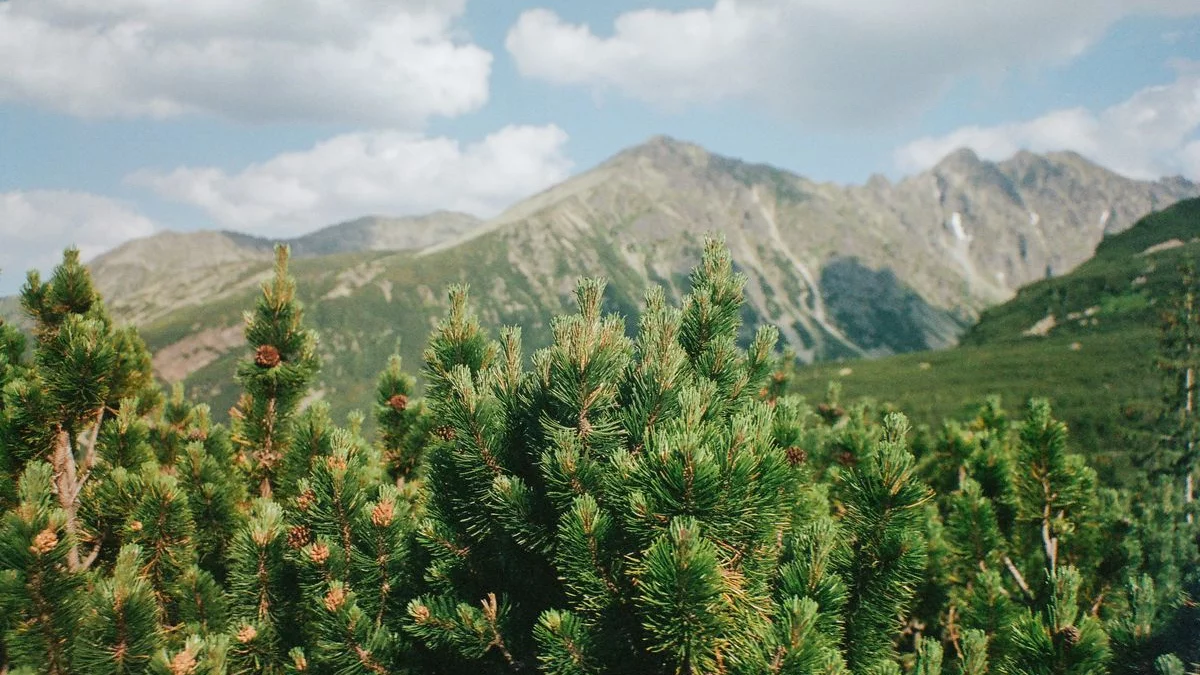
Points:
x=383 y=63
x=36 y=225
x=381 y=172
x=1149 y=135
x=837 y=62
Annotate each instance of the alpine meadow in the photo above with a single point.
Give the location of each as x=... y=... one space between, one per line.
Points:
x=551 y=337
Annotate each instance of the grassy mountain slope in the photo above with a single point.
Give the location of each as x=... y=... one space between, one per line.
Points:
x=1086 y=339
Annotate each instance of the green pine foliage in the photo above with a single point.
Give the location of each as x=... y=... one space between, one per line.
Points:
x=120 y=630
x=630 y=498
x=1051 y=569
x=630 y=505
x=39 y=592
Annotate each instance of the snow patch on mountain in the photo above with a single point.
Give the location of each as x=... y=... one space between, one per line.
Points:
x=956 y=226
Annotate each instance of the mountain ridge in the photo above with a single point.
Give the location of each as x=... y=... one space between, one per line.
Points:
x=845 y=271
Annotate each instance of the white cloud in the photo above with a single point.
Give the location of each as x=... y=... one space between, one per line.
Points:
x=389 y=64
x=1149 y=135
x=383 y=172
x=1190 y=158
x=36 y=225
x=840 y=62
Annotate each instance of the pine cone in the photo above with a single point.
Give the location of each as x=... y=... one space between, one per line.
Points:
x=299 y=536
x=194 y=435
x=266 y=356
x=444 y=432
x=846 y=458
x=399 y=402
x=796 y=456
x=44 y=542
x=1070 y=636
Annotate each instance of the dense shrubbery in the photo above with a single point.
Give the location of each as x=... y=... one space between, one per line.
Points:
x=609 y=504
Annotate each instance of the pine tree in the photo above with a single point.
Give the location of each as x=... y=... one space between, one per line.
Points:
x=276 y=376
x=888 y=553
x=1178 y=360
x=12 y=367
x=257 y=579
x=627 y=506
x=1026 y=515
x=974 y=651
x=99 y=569
x=1062 y=637
x=83 y=368
x=650 y=503
x=404 y=428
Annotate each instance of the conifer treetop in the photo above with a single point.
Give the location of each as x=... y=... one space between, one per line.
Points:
x=275 y=377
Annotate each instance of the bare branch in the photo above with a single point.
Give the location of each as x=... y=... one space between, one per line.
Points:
x=1016 y=575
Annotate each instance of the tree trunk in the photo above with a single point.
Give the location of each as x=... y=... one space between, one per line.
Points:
x=65 y=485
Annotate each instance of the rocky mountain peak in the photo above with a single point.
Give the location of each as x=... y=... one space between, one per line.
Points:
x=963 y=161
x=665 y=152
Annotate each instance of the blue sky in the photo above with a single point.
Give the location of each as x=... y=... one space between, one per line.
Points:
x=119 y=118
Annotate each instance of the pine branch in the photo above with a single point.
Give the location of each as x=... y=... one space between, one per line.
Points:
x=1017 y=577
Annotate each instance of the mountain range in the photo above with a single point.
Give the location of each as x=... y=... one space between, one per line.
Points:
x=844 y=270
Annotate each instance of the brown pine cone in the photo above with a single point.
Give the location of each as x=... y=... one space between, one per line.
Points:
x=399 y=402
x=796 y=456
x=267 y=356
x=299 y=537
x=1070 y=636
